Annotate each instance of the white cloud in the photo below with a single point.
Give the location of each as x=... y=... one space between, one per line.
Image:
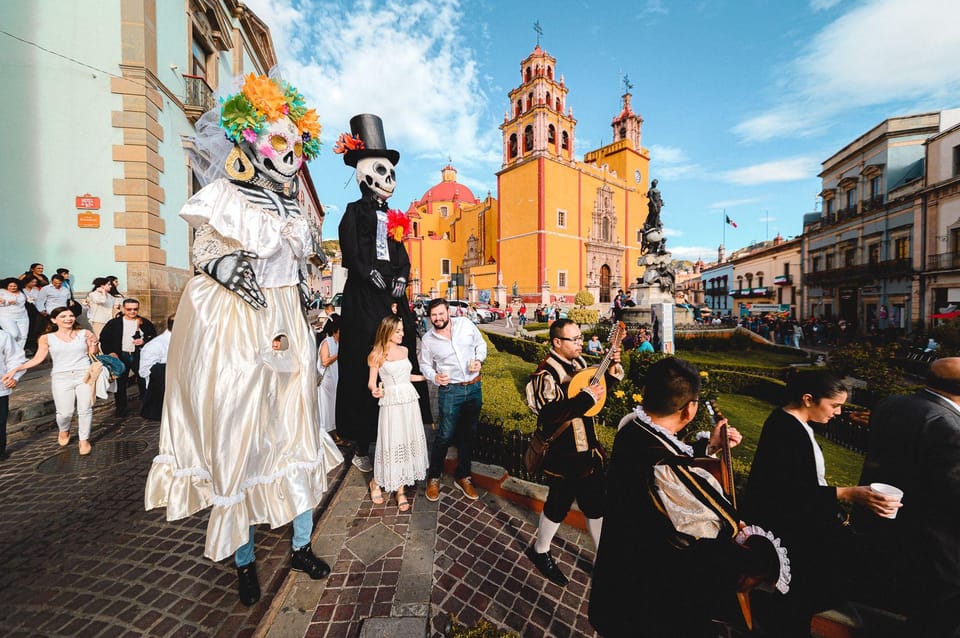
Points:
x=405 y=61
x=672 y=232
x=670 y=163
x=783 y=170
x=879 y=52
x=692 y=252
x=767 y=218
x=734 y=203
x=823 y=5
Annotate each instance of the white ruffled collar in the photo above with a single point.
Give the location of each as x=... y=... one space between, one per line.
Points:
x=643 y=416
x=783 y=579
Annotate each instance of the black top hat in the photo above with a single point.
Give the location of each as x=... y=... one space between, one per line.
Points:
x=369 y=128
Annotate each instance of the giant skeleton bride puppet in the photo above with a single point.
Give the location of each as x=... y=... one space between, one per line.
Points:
x=239 y=430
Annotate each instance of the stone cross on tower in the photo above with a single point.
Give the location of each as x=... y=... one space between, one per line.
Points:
x=539 y=30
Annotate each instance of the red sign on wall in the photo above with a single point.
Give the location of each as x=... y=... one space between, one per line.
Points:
x=88 y=202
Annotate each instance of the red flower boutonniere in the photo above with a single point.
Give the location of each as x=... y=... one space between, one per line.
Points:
x=347 y=142
x=398 y=225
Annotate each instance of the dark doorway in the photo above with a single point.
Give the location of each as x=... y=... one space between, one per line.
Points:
x=604 y=284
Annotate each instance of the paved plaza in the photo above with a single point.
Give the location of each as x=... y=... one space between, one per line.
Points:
x=82 y=557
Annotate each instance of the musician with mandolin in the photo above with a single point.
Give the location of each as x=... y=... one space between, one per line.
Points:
x=566 y=393
x=674 y=557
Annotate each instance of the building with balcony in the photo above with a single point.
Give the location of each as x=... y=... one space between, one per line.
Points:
x=716 y=280
x=110 y=124
x=940 y=282
x=763 y=277
x=863 y=253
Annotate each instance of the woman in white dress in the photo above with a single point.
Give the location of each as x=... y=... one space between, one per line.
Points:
x=401 y=456
x=69 y=347
x=327 y=393
x=13 y=311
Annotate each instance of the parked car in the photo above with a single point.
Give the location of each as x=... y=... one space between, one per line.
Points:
x=485 y=315
x=498 y=313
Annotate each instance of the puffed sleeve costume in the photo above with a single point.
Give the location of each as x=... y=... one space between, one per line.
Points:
x=239 y=428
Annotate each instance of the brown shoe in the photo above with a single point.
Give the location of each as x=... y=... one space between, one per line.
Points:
x=467 y=488
x=433 y=490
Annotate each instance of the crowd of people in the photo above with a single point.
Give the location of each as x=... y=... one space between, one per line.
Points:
x=40 y=317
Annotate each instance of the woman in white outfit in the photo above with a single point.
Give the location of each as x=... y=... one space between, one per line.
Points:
x=69 y=347
x=13 y=311
x=329 y=353
x=101 y=305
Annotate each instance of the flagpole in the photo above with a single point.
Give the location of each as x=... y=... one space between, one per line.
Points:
x=723 y=222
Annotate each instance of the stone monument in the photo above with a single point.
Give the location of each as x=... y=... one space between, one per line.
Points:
x=656 y=286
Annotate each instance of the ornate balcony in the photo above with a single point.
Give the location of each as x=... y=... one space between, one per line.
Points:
x=198 y=99
x=943 y=261
x=752 y=293
x=783 y=280
x=889 y=269
x=720 y=291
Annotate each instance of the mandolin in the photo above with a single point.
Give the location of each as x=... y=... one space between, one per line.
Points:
x=597 y=374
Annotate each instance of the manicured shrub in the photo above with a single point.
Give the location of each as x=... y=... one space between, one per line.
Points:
x=583 y=315
x=583 y=299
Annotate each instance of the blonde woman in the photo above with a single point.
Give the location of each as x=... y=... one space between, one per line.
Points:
x=69 y=347
x=401 y=455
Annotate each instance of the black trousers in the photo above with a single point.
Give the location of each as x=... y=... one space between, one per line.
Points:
x=132 y=361
x=4 y=412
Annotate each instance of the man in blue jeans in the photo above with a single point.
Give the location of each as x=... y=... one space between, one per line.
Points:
x=451 y=355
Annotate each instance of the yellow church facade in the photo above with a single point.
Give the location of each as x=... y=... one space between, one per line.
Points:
x=557 y=225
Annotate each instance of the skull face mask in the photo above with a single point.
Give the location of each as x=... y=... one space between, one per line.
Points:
x=277 y=153
x=378 y=175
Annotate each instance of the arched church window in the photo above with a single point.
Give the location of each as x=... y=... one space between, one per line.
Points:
x=550 y=72
x=528 y=139
x=547 y=102
x=551 y=134
x=528 y=75
x=605 y=229
x=559 y=105
x=518 y=109
x=529 y=100
x=512 y=147
x=565 y=141
x=623 y=132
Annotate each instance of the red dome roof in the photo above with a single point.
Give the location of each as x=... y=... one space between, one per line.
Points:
x=449 y=189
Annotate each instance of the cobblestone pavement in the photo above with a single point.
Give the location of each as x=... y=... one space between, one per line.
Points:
x=80 y=556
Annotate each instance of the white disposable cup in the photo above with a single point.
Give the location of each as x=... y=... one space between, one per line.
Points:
x=888 y=490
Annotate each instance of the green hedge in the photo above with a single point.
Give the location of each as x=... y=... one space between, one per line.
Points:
x=530 y=351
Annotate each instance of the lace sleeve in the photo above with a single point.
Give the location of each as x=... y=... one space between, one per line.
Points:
x=209 y=244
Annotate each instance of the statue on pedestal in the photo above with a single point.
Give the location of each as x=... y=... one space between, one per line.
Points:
x=658 y=261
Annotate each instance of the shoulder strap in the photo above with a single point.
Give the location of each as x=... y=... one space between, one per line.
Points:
x=559 y=430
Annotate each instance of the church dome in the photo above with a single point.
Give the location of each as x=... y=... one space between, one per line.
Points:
x=449 y=190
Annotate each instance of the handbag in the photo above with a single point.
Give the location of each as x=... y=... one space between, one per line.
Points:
x=538 y=447
x=114 y=365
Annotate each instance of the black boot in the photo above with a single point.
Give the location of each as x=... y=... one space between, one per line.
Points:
x=247 y=584
x=304 y=561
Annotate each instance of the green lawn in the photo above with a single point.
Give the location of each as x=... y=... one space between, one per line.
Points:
x=754 y=358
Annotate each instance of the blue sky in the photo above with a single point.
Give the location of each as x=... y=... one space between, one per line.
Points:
x=741 y=99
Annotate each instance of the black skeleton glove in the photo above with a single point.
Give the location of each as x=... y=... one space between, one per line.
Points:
x=234 y=272
x=399 y=286
x=377 y=280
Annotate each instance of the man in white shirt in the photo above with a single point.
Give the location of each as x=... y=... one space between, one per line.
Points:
x=153 y=369
x=53 y=296
x=451 y=355
x=11 y=355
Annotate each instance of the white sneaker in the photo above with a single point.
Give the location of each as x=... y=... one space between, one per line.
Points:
x=362 y=463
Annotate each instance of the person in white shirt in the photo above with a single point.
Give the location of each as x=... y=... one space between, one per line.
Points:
x=13 y=311
x=55 y=295
x=451 y=356
x=11 y=355
x=153 y=369
x=101 y=305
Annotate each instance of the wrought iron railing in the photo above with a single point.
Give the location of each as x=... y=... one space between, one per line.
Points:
x=505 y=448
x=943 y=261
x=848 y=430
x=199 y=94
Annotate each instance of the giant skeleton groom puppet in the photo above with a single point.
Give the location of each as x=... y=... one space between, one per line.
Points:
x=239 y=428
x=371 y=239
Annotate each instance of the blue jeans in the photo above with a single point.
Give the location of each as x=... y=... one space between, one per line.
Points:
x=459 y=410
x=302 y=526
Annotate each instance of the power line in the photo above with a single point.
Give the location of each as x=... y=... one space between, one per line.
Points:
x=74 y=60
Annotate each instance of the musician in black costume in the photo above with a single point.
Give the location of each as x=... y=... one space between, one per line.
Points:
x=575 y=462
x=673 y=555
